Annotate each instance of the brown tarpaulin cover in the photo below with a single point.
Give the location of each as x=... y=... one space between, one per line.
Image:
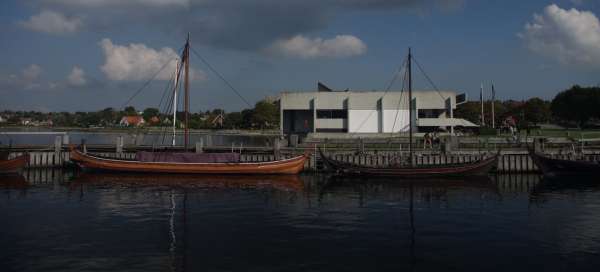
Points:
x=145 y=156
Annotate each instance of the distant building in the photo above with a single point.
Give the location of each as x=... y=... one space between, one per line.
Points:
x=3 y=119
x=26 y=121
x=132 y=121
x=368 y=112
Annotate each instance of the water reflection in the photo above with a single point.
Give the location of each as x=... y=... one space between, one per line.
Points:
x=99 y=221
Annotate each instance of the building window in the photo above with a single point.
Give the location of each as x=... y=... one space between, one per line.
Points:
x=332 y=114
x=431 y=113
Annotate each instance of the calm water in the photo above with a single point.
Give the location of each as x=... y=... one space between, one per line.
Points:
x=62 y=221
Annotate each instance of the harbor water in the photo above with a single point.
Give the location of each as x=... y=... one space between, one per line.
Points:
x=56 y=220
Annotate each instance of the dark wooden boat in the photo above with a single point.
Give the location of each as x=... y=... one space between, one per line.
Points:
x=561 y=167
x=288 y=166
x=456 y=170
x=481 y=167
x=9 y=166
x=161 y=163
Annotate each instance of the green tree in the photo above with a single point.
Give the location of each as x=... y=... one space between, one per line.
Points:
x=129 y=111
x=577 y=104
x=149 y=113
x=537 y=110
x=266 y=115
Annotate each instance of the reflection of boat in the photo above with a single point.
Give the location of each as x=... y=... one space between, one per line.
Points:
x=13 y=182
x=390 y=183
x=187 y=163
x=555 y=167
x=281 y=182
x=480 y=167
x=457 y=170
x=13 y=165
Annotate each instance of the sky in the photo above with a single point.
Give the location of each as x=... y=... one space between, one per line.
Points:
x=87 y=55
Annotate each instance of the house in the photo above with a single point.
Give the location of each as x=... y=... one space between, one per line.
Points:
x=132 y=121
x=26 y=121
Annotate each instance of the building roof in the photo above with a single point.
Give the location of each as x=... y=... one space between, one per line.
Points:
x=444 y=122
x=368 y=100
x=132 y=120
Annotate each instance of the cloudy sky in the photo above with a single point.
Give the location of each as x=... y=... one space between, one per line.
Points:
x=90 y=54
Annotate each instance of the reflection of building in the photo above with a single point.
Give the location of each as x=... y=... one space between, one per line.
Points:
x=367 y=112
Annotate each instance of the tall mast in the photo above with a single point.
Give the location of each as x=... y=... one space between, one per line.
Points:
x=176 y=85
x=187 y=92
x=410 y=108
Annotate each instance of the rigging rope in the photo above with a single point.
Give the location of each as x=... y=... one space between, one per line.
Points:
x=146 y=84
x=429 y=79
x=221 y=77
x=387 y=89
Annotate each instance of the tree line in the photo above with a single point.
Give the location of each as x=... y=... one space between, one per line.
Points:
x=576 y=106
x=264 y=115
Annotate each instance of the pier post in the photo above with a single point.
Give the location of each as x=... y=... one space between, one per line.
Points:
x=119 y=144
x=83 y=146
x=277 y=148
x=200 y=146
x=65 y=139
x=57 y=144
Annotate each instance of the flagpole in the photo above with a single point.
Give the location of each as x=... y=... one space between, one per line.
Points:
x=493 y=106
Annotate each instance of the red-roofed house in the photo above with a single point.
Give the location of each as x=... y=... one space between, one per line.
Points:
x=132 y=121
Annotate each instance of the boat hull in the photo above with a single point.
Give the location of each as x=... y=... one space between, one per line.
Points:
x=479 y=168
x=13 y=165
x=289 y=166
x=559 y=167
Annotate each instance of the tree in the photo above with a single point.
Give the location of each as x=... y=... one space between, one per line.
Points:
x=537 y=110
x=149 y=113
x=233 y=120
x=130 y=111
x=470 y=110
x=577 y=104
x=266 y=115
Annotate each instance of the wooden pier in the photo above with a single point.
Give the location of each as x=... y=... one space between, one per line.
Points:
x=513 y=158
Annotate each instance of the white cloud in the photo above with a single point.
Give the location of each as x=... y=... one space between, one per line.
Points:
x=570 y=36
x=31 y=73
x=136 y=61
x=27 y=79
x=52 y=23
x=302 y=47
x=76 y=77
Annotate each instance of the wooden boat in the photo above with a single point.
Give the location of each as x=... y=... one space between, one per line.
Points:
x=13 y=165
x=288 y=166
x=195 y=166
x=481 y=167
x=561 y=167
x=456 y=170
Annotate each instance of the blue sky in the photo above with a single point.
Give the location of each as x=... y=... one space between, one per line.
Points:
x=90 y=54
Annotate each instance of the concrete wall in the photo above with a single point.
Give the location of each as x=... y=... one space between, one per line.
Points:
x=401 y=120
x=363 y=121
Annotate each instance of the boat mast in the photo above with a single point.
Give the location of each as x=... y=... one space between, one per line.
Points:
x=410 y=108
x=186 y=55
x=175 y=100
